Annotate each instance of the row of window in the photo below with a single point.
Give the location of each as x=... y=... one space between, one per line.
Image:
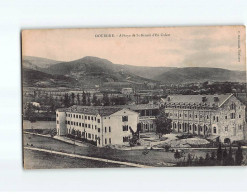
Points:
x=87 y=126
x=190 y=115
x=215 y=118
x=81 y=117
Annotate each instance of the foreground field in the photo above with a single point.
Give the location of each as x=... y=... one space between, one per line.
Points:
x=43 y=160
x=155 y=158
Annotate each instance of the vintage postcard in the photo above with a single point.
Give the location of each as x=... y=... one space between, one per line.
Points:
x=134 y=97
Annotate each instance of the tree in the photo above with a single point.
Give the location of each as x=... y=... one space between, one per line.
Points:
x=225 y=157
x=78 y=99
x=177 y=155
x=30 y=114
x=230 y=159
x=219 y=154
x=94 y=100
x=163 y=124
x=53 y=132
x=239 y=156
x=84 y=99
x=72 y=98
x=88 y=100
x=106 y=100
x=207 y=159
x=189 y=159
x=66 y=100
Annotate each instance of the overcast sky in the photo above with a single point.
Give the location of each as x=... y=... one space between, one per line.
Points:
x=185 y=47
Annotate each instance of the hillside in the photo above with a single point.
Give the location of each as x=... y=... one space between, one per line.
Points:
x=196 y=74
x=91 y=71
x=36 y=63
x=36 y=78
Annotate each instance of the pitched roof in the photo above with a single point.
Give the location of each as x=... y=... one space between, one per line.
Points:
x=196 y=99
x=92 y=110
x=141 y=106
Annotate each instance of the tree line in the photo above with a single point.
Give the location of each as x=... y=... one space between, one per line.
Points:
x=222 y=157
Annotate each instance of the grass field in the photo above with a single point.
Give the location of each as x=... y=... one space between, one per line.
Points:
x=43 y=160
x=153 y=157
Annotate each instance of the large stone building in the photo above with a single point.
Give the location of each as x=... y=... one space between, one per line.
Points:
x=219 y=116
x=101 y=125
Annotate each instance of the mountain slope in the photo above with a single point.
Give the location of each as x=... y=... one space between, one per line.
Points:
x=41 y=79
x=196 y=74
x=91 y=71
x=37 y=63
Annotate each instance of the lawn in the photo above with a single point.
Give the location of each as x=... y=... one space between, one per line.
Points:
x=43 y=160
x=152 y=158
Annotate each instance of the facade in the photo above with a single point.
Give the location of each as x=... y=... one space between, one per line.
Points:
x=102 y=125
x=221 y=116
x=147 y=115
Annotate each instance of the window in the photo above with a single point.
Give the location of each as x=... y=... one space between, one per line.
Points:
x=98 y=120
x=91 y=118
x=105 y=141
x=109 y=129
x=185 y=115
x=125 y=127
x=125 y=139
x=98 y=129
x=95 y=118
x=196 y=115
x=92 y=136
x=76 y=123
x=124 y=118
x=180 y=115
x=232 y=115
x=82 y=124
x=85 y=125
x=214 y=129
x=180 y=126
x=226 y=117
x=239 y=116
x=57 y=122
x=95 y=127
x=89 y=135
x=217 y=119
x=214 y=118
x=152 y=126
x=86 y=117
x=240 y=127
x=95 y=137
x=89 y=126
x=74 y=115
x=69 y=122
x=226 y=128
x=207 y=117
x=105 y=130
x=79 y=116
x=232 y=106
x=65 y=122
x=109 y=140
x=190 y=115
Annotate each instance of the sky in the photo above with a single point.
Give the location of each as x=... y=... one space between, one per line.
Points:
x=215 y=46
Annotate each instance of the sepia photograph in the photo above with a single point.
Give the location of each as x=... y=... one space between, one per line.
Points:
x=134 y=97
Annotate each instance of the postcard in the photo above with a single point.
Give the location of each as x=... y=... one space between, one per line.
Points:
x=134 y=97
